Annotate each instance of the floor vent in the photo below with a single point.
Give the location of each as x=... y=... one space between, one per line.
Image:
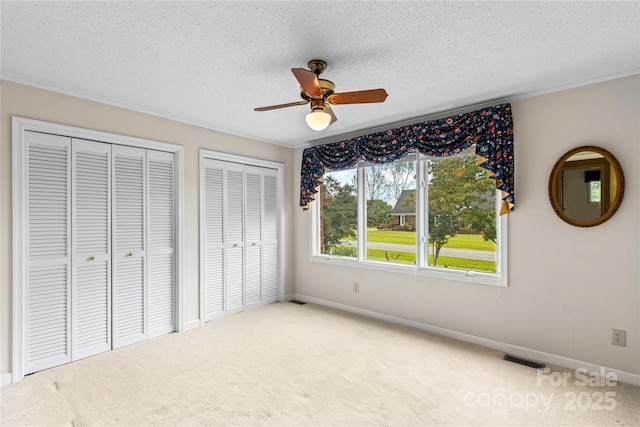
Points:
x=524 y=362
x=295 y=301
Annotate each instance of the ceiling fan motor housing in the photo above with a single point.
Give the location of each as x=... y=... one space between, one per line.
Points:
x=327 y=87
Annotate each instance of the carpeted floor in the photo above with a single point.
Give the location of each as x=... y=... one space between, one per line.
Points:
x=304 y=365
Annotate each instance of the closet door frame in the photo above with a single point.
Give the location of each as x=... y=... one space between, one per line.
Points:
x=250 y=161
x=21 y=125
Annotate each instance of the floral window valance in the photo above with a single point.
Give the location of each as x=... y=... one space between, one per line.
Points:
x=491 y=129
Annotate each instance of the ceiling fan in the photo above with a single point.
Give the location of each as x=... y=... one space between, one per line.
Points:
x=320 y=93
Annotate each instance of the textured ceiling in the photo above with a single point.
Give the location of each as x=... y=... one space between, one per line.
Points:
x=211 y=63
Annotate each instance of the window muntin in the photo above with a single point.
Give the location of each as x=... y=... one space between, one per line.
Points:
x=487 y=265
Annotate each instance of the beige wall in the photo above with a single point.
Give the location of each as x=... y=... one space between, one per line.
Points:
x=29 y=102
x=568 y=286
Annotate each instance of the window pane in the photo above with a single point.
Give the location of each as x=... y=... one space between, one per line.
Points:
x=462 y=215
x=338 y=214
x=594 y=192
x=391 y=212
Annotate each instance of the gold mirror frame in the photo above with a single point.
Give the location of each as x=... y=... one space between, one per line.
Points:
x=611 y=194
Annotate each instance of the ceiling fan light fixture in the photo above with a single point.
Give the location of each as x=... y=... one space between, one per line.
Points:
x=320 y=93
x=318 y=120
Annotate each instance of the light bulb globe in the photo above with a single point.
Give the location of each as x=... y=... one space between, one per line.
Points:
x=318 y=120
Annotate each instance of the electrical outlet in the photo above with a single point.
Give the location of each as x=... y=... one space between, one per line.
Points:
x=619 y=337
x=356 y=287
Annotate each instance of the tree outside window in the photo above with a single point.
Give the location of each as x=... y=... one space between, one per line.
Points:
x=461 y=200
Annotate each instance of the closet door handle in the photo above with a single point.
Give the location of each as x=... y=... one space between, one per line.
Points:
x=253 y=244
x=92 y=258
x=130 y=254
x=235 y=245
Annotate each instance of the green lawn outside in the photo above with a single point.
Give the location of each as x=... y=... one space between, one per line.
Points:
x=399 y=257
x=470 y=241
x=465 y=264
x=450 y=262
x=387 y=236
x=461 y=241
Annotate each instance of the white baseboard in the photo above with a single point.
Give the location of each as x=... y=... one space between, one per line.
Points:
x=514 y=350
x=289 y=297
x=5 y=380
x=192 y=324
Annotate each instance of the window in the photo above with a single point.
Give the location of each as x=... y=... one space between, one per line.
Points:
x=388 y=233
x=594 y=192
x=438 y=215
x=461 y=214
x=338 y=217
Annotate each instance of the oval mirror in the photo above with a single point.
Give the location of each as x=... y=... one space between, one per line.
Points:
x=586 y=186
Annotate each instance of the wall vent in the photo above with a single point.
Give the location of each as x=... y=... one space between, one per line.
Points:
x=524 y=362
x=295 y=301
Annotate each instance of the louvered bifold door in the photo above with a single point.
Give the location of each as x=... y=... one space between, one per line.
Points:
x=160 y=243
x=253 y=234
x=91 y=248
x=128 y=198
x=48 y=241
x=270 y=250
x=213 y=236
x=234 y=238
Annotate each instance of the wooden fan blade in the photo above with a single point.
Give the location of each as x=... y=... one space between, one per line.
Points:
x=275 y=107
x=308 y=81
x=358 y=97
x=327 y=109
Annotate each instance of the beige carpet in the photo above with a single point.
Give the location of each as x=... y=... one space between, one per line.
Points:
x=305 y=365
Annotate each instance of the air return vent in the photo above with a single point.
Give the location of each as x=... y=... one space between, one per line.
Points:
x=298 y=302
x=524 y=362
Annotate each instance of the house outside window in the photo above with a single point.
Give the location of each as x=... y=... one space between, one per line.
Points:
x=404 y=212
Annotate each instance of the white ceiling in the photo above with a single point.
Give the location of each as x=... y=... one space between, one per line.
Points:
x=210 y=63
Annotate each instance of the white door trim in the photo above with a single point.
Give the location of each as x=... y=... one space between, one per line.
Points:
x=20 y=125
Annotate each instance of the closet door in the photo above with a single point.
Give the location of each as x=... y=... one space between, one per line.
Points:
x=129 y=245
x=234 y=239
x=91 y=248
x=161 y=243
x=48 y=251
x=213 y=238
x=253 y=234
x=240 y=221
x=270 y=260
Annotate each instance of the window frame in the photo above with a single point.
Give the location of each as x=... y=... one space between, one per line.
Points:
x=500 y=278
